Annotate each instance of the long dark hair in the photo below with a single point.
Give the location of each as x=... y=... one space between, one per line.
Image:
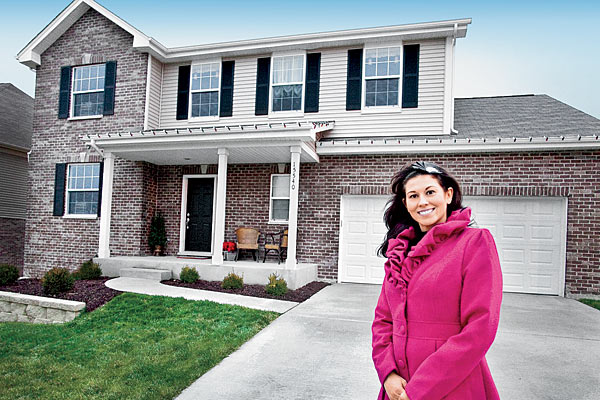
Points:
x=396 y=216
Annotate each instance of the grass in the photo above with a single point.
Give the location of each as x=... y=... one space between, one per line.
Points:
x=134 y=347
x=591 y=303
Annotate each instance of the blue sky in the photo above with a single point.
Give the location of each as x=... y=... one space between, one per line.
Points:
x=512 y=47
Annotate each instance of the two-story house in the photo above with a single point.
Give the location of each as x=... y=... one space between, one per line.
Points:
x=16 y=115
x=296 y=132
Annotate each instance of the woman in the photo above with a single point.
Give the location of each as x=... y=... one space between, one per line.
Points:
x=438 y=311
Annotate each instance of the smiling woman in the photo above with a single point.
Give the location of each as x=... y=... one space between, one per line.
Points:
x=438 y=311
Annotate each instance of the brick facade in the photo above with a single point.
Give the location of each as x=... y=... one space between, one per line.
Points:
x=57 y=241
x=563 y=174
x=12 y=241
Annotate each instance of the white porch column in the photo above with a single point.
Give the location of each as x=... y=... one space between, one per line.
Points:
x=217 y=256
x=293 y=216
x=106 y=205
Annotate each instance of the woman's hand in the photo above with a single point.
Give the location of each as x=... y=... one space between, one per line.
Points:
x=394 y=387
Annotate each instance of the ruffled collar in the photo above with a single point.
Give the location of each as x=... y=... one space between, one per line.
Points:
x=402 y=264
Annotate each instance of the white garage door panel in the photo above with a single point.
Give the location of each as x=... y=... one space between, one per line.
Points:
x=362 y=231
x=530 y=237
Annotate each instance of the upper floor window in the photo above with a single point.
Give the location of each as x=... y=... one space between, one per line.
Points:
x=287 y=83
x=205 y=86
x=83 y=183
x=382 y=76
x=88 y=90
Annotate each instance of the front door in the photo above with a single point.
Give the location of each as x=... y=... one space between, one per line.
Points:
x=199 y=216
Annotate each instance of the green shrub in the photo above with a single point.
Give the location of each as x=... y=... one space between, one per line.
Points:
x=8 y=274
x=277 y=286
x=158 y=232
x=233 y=281
x=57 y=280
x=88 y=270
x=189 y=275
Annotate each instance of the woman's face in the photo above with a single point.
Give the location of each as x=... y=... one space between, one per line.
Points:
x=426 y=200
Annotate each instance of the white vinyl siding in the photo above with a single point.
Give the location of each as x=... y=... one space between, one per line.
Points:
x=13 y=193
x=427 y=119
x=156 y=69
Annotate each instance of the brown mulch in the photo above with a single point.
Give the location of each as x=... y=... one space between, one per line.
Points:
x=92 y=292
x=298 y=295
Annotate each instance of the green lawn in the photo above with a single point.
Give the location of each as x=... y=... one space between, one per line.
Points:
x=134 y=347
x=591 y=303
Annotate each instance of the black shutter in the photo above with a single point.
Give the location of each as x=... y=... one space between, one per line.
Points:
x=261 y=106
x=410 y=79
x=59 y=189
x=110 y=80
x=183 y=91
x=227 y=69
x=313 y=69
x=65 y=93
x=100 y=187
x=354 y=80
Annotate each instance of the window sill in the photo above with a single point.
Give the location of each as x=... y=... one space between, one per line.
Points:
x=204 y=119
x=286 y=114
x=278 y=222
x=381 y=110
x=80 y=216
x=85 y=117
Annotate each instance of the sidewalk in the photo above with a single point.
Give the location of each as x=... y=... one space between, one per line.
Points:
x=147 y=286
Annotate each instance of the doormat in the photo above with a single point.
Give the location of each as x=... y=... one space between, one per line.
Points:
x=195 y=257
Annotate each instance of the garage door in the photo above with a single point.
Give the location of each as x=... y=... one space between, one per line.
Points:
x=362 y=231
x=530 y=235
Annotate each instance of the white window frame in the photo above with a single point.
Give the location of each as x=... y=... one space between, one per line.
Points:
x=287 y=113
x=218 y=90
x=73 y=92
x=380 y=109
x=67 y=191
x=271 y=198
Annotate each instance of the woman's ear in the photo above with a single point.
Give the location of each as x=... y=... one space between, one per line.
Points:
x=449 y=194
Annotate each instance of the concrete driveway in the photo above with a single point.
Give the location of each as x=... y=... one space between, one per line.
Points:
x=546 y=348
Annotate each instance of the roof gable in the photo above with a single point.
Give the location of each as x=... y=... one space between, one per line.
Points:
x=30 y=55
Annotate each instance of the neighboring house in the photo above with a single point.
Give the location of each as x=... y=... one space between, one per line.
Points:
x=16 y=116
x=300 y=132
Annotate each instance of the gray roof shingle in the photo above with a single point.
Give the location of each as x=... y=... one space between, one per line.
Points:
x=16 y=116
x=520 y=116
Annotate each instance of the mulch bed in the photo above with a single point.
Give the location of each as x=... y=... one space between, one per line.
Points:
x=92 y=292
x=298 y=295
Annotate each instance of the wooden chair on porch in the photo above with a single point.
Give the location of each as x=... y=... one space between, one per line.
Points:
x=278 y=243
x=247 y=239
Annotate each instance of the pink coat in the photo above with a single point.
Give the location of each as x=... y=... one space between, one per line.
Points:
x=438 y=312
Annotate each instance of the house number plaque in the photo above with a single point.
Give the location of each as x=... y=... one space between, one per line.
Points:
x=294 y=175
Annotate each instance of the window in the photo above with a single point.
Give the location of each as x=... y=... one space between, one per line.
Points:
x=287 y=82
x=88 y=90
x=280 y=198
x=382 y=77
x=205 y=89
x=83 y=181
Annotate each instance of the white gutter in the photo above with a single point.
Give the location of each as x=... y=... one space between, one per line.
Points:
x=456 y=145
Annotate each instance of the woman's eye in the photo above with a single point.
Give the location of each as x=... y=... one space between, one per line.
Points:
x=430 y=191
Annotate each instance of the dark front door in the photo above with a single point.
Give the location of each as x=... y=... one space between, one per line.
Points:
x=199 y=216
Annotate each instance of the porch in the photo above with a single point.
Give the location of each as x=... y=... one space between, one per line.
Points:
x=169 y=267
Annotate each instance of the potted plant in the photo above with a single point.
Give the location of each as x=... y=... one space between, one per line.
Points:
x=229 y=251
x=157 y=239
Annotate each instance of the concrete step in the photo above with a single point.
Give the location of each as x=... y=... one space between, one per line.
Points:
x=146 y=273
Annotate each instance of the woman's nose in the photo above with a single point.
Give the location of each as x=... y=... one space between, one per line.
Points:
x=422 y=200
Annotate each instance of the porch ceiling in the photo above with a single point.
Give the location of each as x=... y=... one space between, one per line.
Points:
x=250 y=144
